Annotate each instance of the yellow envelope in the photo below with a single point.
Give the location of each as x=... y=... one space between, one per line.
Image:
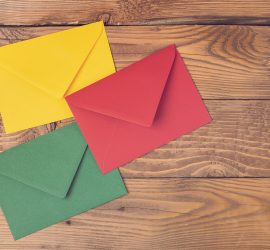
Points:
x=36 y=74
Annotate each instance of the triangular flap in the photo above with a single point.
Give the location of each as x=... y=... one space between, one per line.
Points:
x=48 y=163
x=51 y=62
x=131 y=94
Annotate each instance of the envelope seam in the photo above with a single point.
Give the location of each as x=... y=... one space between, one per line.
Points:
x=84 y=61
x=165 y=85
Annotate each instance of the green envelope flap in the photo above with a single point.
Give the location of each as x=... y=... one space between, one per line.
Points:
x=28 y=210
x=48 y=163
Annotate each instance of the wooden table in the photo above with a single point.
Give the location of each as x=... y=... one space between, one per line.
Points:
x=187 y=194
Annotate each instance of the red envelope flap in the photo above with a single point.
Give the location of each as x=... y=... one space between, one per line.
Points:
x=131 y=94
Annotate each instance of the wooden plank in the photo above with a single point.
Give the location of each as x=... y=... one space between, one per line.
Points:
x=122 y=12
x=166 y=214
x=226 y=62
x=8 y=141
x=236 y=144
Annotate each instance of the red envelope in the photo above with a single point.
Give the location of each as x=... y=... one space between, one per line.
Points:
x=138 y=109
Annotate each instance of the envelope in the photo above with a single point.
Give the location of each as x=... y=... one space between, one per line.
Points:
x=50 y=179
x=36 y=74
x=138 y=109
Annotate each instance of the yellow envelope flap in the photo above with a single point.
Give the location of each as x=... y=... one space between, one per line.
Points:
x=51 y=62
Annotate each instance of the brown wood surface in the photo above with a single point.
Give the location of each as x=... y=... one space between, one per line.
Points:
x=166 y=214
x=225 y=61
x=130 y=12
x=235 y=144
x=172 y=202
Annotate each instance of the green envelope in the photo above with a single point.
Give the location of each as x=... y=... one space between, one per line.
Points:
x=50 y=179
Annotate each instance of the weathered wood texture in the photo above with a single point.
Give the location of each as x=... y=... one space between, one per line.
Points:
x=166 y=214
x=142 y=12
x=225 y=61
x=231 y=68
x=236 y=144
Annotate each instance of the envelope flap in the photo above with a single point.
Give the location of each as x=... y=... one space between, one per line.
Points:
x=48 y=163
x=51 y=62
x=131 y=94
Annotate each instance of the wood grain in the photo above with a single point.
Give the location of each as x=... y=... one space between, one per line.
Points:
x=130 y=12
x=236 y=144
x=166 y=214
x=231 y=68
x=11 y=140
x=226 y=62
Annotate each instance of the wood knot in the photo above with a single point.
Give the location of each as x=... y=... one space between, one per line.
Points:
x=68 y=222
x=122 y=209
x=105 y=17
